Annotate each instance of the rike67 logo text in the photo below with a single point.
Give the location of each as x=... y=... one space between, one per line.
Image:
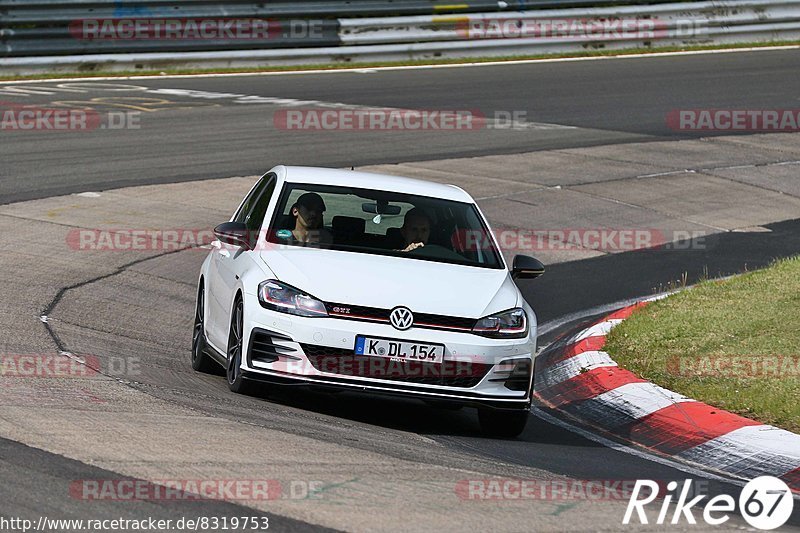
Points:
x=765 y=503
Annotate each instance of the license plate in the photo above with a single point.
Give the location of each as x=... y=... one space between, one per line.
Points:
x=396 y=349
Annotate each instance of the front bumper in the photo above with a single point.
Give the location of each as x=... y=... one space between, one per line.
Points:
x=319 y=352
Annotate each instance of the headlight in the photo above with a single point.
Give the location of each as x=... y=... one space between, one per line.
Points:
x=286 y=299
x=511 y=324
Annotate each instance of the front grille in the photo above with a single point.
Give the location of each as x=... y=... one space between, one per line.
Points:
x=264 y=349
x=443 y=322
x=346 y=363
x=421 y=320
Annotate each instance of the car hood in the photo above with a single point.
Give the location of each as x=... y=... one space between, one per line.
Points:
x=385 y=282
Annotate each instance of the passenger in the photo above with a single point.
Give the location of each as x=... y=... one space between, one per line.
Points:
x=416 y=229
x=308 y=213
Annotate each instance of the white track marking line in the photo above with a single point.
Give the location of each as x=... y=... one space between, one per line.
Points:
x=627 y=448
x=637 y=452
x=359 y=70
x=475 y=120
x=556 y=323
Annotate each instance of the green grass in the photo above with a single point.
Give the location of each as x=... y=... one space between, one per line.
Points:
x=739 y=321
x=372 y=64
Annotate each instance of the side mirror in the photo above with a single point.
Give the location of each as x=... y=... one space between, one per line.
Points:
x=235 y=233
x=526 y=267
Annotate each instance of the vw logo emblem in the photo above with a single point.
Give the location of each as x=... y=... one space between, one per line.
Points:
x=401 y=318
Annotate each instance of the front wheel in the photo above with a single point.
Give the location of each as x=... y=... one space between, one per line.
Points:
x=200 y=360
x=236 y=381
x=504 y=423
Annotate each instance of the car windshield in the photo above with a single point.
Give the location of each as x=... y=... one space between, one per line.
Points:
x=382 y=223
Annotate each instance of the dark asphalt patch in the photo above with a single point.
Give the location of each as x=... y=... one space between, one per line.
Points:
x=30 y=473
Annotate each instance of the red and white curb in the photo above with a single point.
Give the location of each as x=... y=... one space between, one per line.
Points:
x=580 y=380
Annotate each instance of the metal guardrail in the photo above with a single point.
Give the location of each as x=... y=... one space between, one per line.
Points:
x=64 y=11
x=441 y=30
x=676 y=21
x=66 y=40
x=46 y=27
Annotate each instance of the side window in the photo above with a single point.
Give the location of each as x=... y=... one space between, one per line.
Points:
x=256 y=217
x=253 y=209
x=247 y=205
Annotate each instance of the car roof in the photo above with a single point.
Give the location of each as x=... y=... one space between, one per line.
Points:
x=369 y=180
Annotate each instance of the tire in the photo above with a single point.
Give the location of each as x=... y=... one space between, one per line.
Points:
x=504 y=423
x=201 y=362
x=233 y=371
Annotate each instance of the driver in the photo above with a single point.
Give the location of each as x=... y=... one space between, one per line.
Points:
x=416 y=229
x=308 y=212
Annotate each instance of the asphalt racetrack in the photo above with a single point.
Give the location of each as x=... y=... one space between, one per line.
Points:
x=184 y=138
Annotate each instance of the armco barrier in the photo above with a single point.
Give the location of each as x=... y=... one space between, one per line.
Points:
x=675 y=21
x=45 y=27
x=50 y=35
x=42 y=27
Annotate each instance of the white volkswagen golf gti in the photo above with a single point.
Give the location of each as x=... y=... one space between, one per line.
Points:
x=370 y=283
